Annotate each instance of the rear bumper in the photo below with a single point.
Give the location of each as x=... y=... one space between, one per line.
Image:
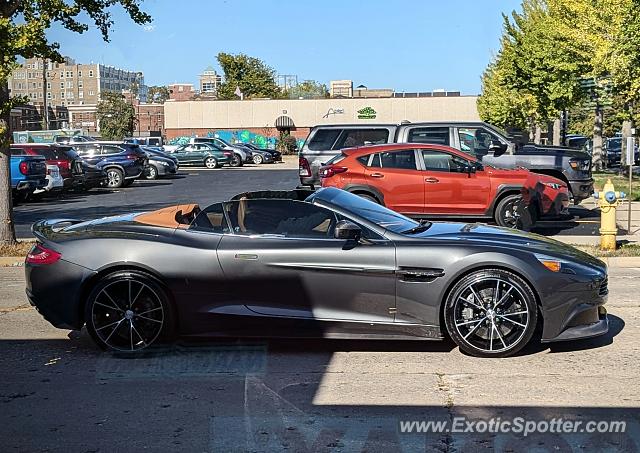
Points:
x=581 y=189
x=30 y=185
x=55 y=291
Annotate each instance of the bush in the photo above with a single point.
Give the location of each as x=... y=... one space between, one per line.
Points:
x=287 y=144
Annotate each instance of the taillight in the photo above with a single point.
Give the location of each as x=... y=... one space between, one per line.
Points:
x=39 y=254
x=24 y=168
x=328 y=172
x=304 y=169
x=64 y=165
x=228 y=153
x=131 y=157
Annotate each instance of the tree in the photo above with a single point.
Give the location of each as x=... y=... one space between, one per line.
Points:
x=158 y=94
x=116 y=116
x=23 y=27
x=309 y=89
x=254 y=78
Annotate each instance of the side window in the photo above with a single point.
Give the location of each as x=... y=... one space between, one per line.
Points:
x=211 y=219
x=440 y=161
x=433 y=135
x=475 y=140
x=287 y=218
x=111 y=149
x=405 y=159
x=323 y=139
x=360 y=137
x=364 y=160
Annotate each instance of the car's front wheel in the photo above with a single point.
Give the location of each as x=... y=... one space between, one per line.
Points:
x=152 y=173
x=128 y=311
x=258 y=159
x=491 y=313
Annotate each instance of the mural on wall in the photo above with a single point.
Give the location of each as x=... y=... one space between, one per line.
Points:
x=235 y=136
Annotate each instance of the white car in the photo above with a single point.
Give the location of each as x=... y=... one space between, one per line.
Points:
x=54 y=180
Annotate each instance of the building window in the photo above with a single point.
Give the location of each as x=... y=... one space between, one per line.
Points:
x=69 y=74
x=62 y=96
x=69 y=84
x=49 y=95
x=39 y=84
x=79 y=73
x=90 y=73
x=80 y=83
x=62 y=85
x=48 y=85
x=80 y=94
x=70 y=94
x=91 y=93
x=62 y=74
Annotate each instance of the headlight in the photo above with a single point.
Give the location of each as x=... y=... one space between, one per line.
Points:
x=554 y=185
x=166 y=164
x=580 y=165
x=553 y=264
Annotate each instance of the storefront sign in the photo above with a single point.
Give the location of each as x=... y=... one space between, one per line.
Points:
x=367 y=113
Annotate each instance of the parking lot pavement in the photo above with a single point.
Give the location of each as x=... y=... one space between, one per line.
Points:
x=208 y=186
x=58 y=393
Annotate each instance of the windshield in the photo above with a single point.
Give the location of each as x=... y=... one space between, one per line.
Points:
x=368 y=210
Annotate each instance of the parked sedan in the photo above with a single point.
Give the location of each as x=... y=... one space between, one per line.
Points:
x=207 y=154
x=159 y=166
x=329 y=265
x=264 y=156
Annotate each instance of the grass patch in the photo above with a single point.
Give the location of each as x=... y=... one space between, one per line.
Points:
x=20 y=249
x=623 y=250
x=621 y=183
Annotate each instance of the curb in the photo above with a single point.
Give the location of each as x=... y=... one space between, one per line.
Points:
x=11 y=261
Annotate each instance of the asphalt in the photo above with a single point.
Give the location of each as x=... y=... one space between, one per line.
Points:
x=58 y=393
x=208 y=186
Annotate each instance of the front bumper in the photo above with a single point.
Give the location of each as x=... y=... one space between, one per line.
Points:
x=581 y=189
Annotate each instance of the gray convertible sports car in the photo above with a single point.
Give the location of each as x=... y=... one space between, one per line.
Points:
x=327 y=264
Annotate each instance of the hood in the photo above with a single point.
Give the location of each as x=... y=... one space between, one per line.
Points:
x=517 y=173
x=511 y=239
x=553 y=150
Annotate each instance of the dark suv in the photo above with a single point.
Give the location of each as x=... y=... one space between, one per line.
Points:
x=123 y=162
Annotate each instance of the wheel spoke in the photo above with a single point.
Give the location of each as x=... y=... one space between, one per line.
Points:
x=474 y=328
x=473 y=291
x=512 y=321
x=493 y=325
x=495 y=296
x=104 y=291
x=137 y=295
x=138 y=333
x=468 y=322
x=514 y=313
x=131 y=333
x=113 y=331
x=149 y=311
x=148 y=319
x=491 y=337
x=112 y=307
x=504 y=297
x=471 y=303
x=109 y=325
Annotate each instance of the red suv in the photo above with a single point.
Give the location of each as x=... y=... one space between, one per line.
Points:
x=439 y=181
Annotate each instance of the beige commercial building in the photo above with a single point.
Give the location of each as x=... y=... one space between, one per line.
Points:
x=268 y=117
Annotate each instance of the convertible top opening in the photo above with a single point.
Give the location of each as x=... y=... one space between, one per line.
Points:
x=296 y=194
x=179 y=216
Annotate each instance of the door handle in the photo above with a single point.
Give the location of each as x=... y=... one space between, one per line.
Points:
x=377 y=175
x=431 y=180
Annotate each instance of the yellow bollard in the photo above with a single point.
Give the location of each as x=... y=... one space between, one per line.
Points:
x=608 y=200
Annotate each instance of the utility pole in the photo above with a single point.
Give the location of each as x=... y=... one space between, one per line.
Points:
x=45 y=104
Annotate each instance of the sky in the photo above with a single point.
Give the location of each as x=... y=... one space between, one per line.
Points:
x=406 y=45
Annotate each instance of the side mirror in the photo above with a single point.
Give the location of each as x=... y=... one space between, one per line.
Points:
x=496 y=145
x=470 y=168
x=348 y=231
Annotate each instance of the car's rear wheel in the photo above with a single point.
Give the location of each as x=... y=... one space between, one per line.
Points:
x=211 y=162
x=236 y=160
x=152 y=173
x=258 y=159
x=507 y=212
x=128 y=311
x=115 y=178
x=491 y=313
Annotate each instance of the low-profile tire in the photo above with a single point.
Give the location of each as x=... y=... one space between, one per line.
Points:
x=507 y=212
x=491 y=313
x=211 y=162
x=115 y=178
x=152 y=173
x=128 y=311
x=236 y=160
x=368 y=197
x=258 y=159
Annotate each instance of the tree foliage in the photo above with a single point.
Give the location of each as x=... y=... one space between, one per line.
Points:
x=23 y=33
x=309 y=89
x=116 y=116
x=157 y=94
x=254 y=77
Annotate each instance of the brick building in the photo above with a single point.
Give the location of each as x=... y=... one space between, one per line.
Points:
x=181 y=91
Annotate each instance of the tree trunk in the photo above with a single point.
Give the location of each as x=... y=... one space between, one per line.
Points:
x=557 y=136
x=596 y=157
x=537 y=135
x=626 y=132
x=7 y=230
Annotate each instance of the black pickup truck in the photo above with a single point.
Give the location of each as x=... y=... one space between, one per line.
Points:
x=488 y=143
